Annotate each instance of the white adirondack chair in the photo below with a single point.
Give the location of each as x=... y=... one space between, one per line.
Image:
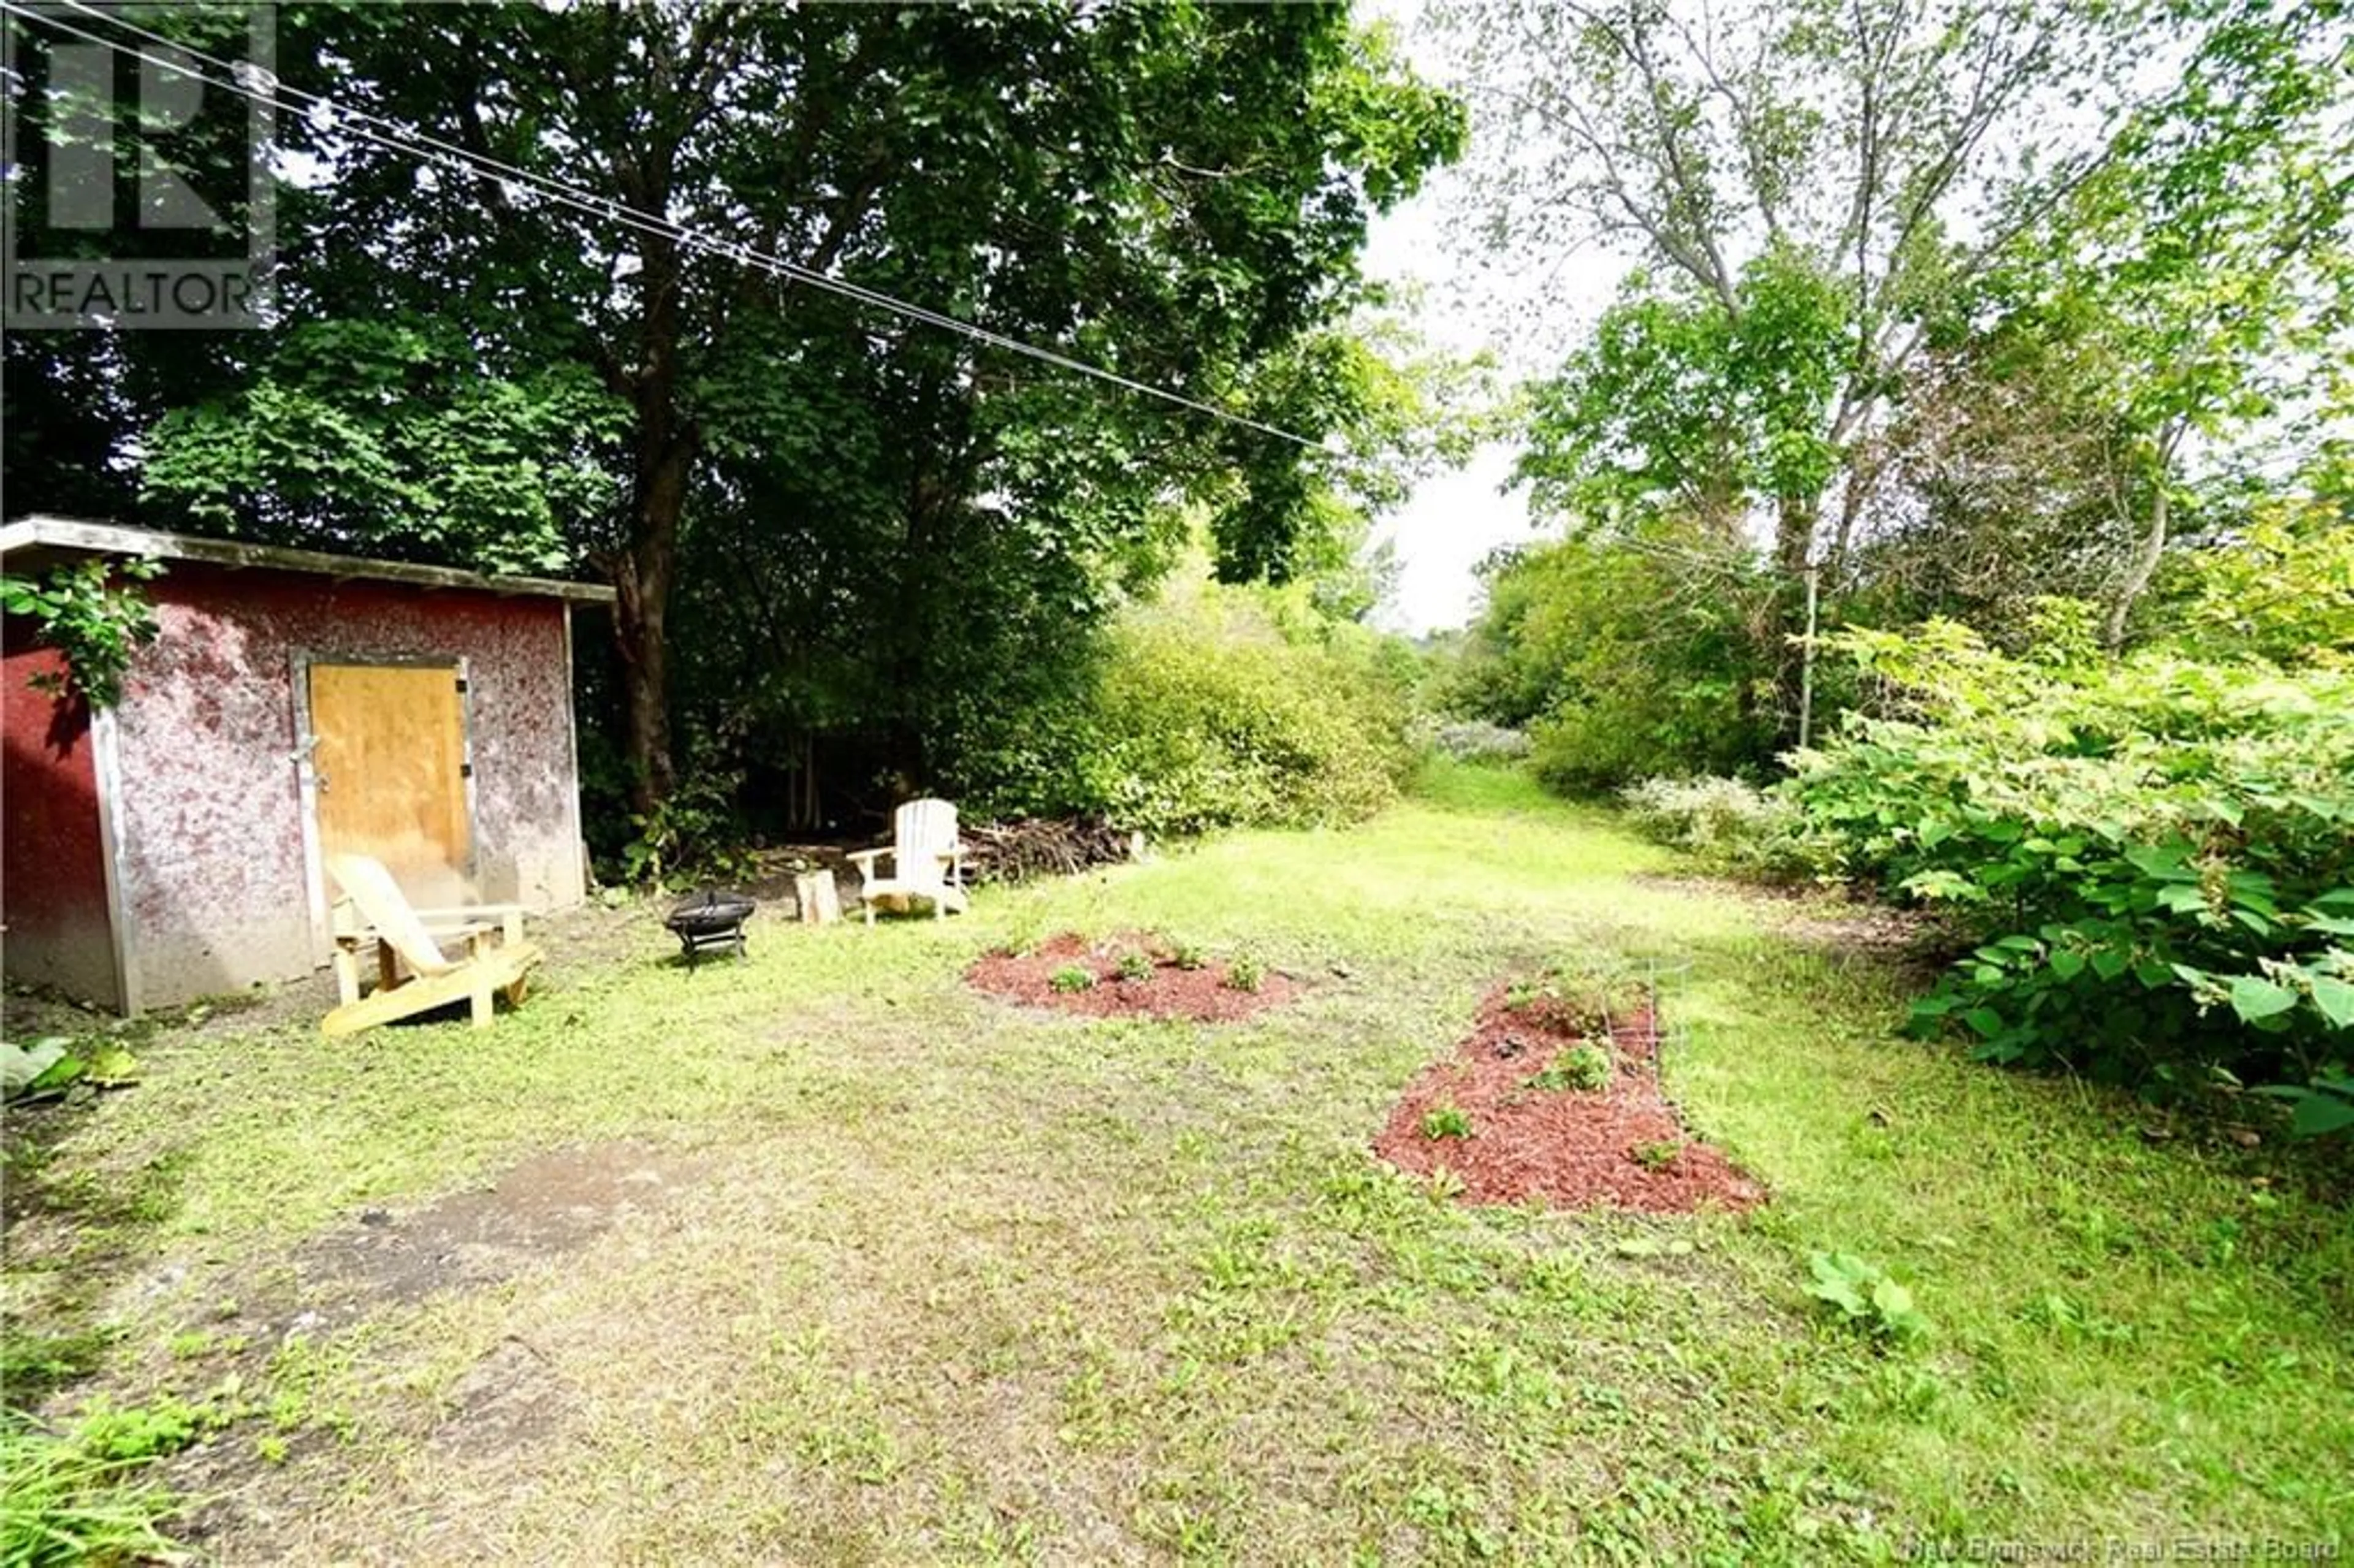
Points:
x=927 y=861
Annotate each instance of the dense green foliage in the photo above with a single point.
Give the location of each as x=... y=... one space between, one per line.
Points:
x=2150 y=858
x=1210 y=708
x=393 y=425
x=2157 y=856
x=1727 y=823
x=1939 y=313
x=833 y=530
x=2045 y=408
x=1621 y=661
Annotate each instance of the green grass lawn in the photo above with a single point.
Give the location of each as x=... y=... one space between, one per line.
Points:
x=934 y=1278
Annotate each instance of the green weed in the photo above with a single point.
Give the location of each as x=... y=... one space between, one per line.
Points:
x=1446 y=1121
x=62 y=1506
x=1658 y=1155
x=1863 y=1296
x=1586 y=1066
x=139 y=1432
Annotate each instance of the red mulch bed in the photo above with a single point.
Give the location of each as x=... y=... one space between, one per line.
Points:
x=1565 y=1147
x=1170 y=992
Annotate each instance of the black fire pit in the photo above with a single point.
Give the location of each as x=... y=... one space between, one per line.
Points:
x=709 y=922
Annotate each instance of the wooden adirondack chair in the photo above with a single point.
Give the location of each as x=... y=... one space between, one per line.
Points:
x=495 y=959
x=927 y=861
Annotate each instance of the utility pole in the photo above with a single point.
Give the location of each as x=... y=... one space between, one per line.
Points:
x=1807 y=663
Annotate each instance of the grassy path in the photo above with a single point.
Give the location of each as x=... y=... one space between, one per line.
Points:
x=896 y=1273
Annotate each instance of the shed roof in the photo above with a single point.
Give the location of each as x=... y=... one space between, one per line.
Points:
x=73 y=536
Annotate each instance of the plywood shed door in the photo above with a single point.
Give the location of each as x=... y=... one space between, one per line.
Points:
x=389 y=765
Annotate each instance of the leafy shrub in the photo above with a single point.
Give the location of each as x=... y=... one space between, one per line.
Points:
x=1621 y=662
x=1072 y=978
x=1203 y=714
x=95 y=616
x=1657 y=1155
x=1135 y=966
x=2282 y=589
x=2155 y=854
x=1864 y=1297
x=692 y=833
x=1446 y=1121
x=1188 y=956
x=1725 y=822
x=1245 y=974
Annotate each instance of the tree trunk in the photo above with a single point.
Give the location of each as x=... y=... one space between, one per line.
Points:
x=2146 y=554
x=665 y=448
x=643 y=585
x=1794 y=543
x=1793 y=534
x=2138 y=571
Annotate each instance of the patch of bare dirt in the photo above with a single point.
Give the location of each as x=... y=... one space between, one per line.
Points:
x=550 y=1205
x=1209 y=992
x=1621 y=1145
x=509 y=1399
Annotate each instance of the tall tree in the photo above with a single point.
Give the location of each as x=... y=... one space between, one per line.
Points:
x=1175 y=192
x=1677 y=406
x=1804 y=184
x=1851 y=142
x=2200 y=284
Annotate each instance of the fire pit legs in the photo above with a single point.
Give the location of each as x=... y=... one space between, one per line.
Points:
x=695 y=945
x=709 y=922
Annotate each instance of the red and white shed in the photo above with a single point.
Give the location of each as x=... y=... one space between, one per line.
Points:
x=293 y=705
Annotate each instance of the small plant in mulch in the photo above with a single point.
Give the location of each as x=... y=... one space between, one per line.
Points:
x=1591 y=1128
x=1128 y=973
x=1579 y=998
x=1658 y=1154
x=1585 y=1067
x=1446 y=1121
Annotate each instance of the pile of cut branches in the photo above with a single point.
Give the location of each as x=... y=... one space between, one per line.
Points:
x=1043 y=846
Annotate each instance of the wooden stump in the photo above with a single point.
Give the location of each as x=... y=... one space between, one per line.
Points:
x=819 y=904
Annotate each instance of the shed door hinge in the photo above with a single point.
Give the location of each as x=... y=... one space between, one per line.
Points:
x=465 y=771
x=461 y=685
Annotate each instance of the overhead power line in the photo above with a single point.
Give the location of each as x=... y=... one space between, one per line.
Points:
x=407 y=140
